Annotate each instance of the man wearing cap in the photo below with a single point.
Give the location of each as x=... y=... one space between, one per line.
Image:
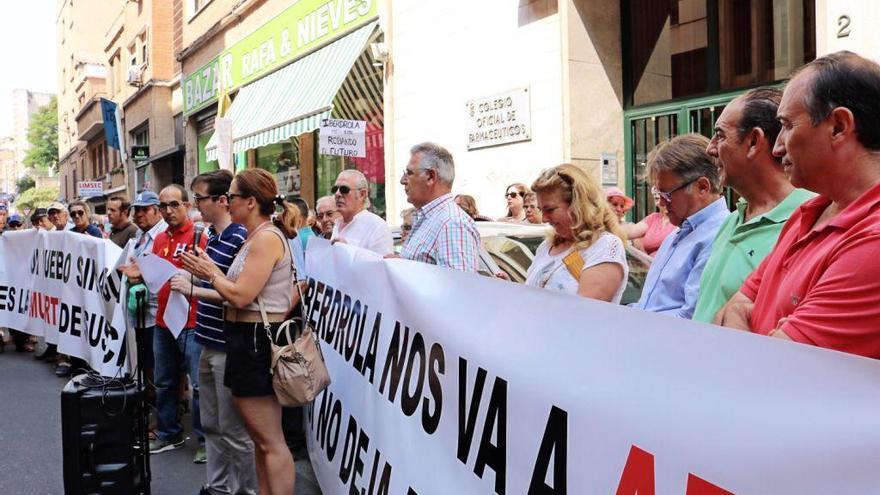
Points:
x=150 y=224
x=15 y=222
x=58 y=215
x=40 y=219
x=4 y=213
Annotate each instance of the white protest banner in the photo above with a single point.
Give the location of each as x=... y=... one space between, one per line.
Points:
x=452 y=383
x=341 y=137
x=61 y=285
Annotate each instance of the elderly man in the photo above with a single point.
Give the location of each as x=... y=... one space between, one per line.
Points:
x=121 y=228
x=175 y=355
x=442 y=233
x=150 y=224
x=4 y=213
x=743 y=146
x=326 y=214
x=820 y=283
x=686 y=180
x=356 y=225
x=81 y=215
x=58 y=215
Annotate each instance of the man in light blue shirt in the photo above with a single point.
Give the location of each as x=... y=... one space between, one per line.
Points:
x=688 y=183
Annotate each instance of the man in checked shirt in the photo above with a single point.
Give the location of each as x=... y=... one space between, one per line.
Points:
x=442 y=233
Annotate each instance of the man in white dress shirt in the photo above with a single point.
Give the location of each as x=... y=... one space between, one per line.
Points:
x=358 y=226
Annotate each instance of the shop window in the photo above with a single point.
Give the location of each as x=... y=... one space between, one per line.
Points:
x=684 y=48
x=282 y=160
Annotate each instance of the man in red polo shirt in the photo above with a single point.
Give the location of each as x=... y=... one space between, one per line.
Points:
x=821 y=282
x=174 y=356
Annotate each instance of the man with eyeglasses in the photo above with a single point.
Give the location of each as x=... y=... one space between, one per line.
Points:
x=358 y=226
x=327 y=215
x=4 y=213
x=442 y=234
x=121 y=228
x=181 y=354
x=687 y=181
x=80 y=214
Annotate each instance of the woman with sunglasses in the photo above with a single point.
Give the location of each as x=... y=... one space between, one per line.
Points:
x=584 y=253
x=261 y=275
x=648 y=234
x=514 y=196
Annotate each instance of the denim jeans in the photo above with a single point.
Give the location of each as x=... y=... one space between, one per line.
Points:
x=173 y=358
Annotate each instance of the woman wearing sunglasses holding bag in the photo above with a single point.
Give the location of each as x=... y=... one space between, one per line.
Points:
x=260 y=275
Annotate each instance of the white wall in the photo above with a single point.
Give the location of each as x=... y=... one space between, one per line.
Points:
x=862 y=29
x=446 y=53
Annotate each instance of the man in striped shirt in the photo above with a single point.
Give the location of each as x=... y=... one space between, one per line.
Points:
x=442 y=233
x=229 y=449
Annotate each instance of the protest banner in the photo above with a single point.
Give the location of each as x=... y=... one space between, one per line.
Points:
x=61 y=286
x=446 y=382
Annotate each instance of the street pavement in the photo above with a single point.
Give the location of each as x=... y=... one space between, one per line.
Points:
x=30 y=438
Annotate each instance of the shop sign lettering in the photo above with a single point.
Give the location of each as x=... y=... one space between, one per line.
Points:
x=303 y=27
x=500 y=119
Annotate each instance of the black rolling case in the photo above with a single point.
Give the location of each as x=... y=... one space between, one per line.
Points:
x=104 y=433
x=104 y=451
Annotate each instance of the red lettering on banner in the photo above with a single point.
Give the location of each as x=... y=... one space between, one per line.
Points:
x=43 y=307
x=699 y=486
x=638 y=474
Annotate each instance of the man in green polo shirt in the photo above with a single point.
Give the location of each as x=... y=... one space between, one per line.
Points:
x=743 y=143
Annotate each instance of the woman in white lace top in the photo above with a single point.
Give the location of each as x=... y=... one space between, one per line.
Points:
x=584 y=254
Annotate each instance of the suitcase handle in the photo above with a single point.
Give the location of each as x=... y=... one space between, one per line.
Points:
x=88 y=437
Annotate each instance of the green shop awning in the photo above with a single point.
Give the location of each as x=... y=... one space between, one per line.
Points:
x=292 y=100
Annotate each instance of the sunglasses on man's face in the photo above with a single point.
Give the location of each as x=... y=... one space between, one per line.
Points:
x=14 y=225
x=77 y=213
x=53 y=212
x=343 y=190
x=173 y=205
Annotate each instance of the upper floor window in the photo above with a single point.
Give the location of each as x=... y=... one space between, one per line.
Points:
x=682 y=48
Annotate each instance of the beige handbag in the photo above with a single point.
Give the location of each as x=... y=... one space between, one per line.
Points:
x=298 y=369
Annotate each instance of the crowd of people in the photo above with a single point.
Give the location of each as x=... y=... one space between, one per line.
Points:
x=796 y=260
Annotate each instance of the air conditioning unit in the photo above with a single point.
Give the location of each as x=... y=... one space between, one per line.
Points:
x=135 y=75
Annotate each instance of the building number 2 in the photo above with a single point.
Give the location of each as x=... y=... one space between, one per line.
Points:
x=843 y=29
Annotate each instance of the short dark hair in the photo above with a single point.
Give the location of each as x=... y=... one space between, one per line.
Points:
x=124 y=205
x=301 y=204
x=184 y=196
x=759 y=110
x=845 y=79
x=218 y=181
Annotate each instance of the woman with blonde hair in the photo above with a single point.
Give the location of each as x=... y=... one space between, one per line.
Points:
x=259 y=279
x=584 y=253
x=515 y=194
